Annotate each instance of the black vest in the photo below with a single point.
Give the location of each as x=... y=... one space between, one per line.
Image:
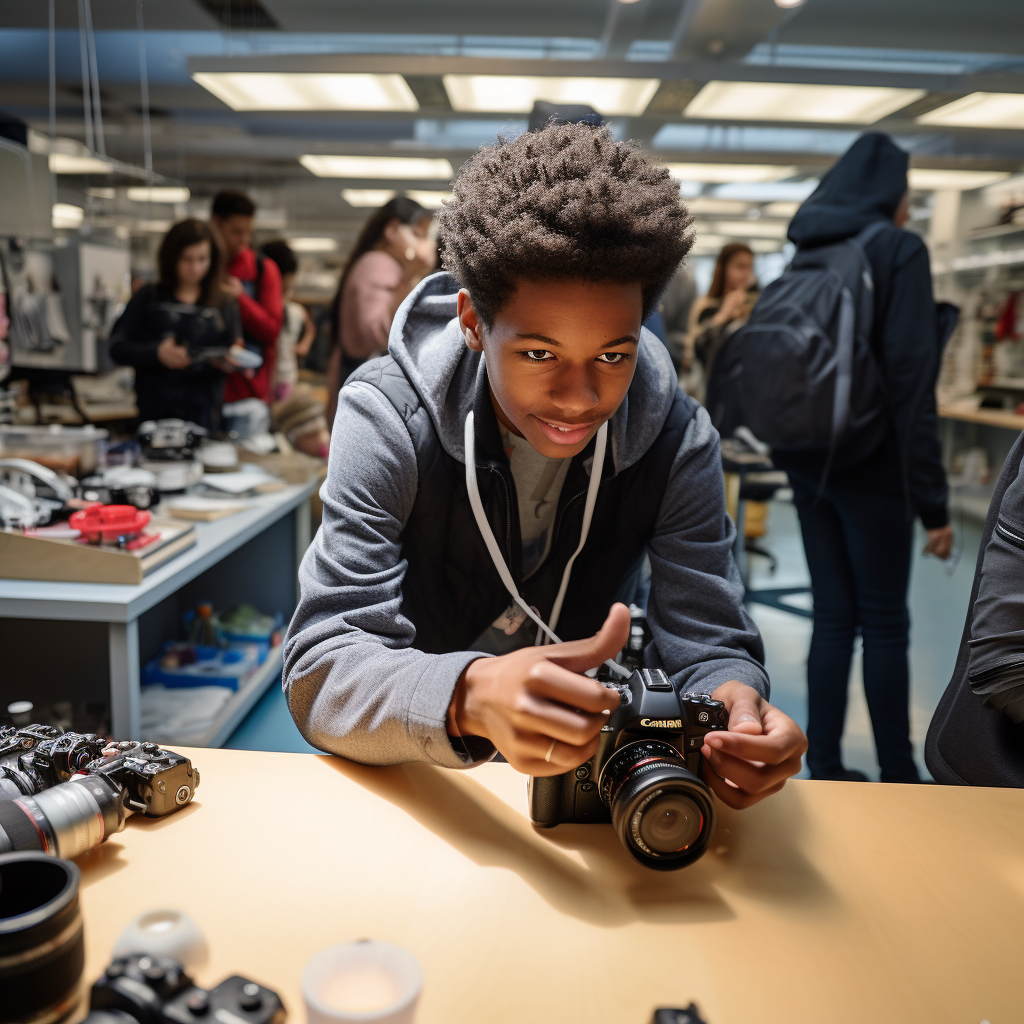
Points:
x=452 y=591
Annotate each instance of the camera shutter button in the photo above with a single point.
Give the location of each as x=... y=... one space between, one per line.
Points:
x=198 y=1003
x=250 y=997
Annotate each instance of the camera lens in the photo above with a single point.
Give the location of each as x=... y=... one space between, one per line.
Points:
x=64 y=821
x=662 y=812
x=42 y=952
x=671 y=823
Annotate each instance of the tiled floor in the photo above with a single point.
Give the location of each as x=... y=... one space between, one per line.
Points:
x=938 y=603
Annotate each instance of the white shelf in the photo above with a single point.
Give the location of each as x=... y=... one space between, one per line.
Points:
x=231 y=715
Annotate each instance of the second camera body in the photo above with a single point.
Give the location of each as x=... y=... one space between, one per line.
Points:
x=646 y=775
x=64 y=793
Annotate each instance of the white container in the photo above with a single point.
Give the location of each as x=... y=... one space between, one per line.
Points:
x=164 y=933
x=361 y=982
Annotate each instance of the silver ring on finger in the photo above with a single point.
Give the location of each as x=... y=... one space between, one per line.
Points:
x=547 y=756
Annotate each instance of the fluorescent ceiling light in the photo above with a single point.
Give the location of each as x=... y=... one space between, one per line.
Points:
x=781 y=209
x=159 y=194
x=430 y=200
x=706 y=243
x=66 y=216
x=265 y=90
x=767 y=191
x=979 y=110
x=79 y=163
x=765 y=244
x=518 y=93
x=926 y=179
x=777 y=101
x=728 y=207
x=395 y=167
x=101 y=193
x=312 y=244
x=157 y=227
x=367 y=196
x=729 y=172
x=750 y=228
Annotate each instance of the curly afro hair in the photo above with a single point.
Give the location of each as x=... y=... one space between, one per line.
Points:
x=568 y=201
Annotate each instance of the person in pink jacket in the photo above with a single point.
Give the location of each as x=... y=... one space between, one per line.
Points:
x=391 y=256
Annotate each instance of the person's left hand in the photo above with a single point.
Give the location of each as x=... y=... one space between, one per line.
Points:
x=940 y=542
x=761 y=749
x=232 y=286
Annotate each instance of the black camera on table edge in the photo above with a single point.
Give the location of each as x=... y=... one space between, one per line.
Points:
x=141 y=989
x=646 y=775
x=63 y=793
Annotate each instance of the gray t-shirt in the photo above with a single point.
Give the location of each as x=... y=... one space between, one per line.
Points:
x=538 y=481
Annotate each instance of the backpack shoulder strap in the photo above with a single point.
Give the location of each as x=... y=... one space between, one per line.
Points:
x=864 y=237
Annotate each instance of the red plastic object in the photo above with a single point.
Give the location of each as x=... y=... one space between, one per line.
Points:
x=109 y=524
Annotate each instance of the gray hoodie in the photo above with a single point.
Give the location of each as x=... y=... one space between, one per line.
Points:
x=356 y=684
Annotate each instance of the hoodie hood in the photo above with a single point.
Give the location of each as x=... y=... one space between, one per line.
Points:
x=866 y=184
x=451 y=380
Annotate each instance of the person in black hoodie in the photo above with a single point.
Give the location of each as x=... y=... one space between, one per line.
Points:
x=858 y=535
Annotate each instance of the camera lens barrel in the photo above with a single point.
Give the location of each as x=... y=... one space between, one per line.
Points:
x=64 y=821
x=663 y=813
x=42 y=949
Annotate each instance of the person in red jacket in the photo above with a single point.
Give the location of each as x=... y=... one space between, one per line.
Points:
x=256 y=284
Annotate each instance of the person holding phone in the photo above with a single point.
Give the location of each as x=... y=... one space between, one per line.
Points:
x=167 y=325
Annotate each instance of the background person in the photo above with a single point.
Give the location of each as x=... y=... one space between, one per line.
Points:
x=393 y=253
x=185 y=304
x=858 y=534
x=718 y=314
x=298 y=331
x=256 y=284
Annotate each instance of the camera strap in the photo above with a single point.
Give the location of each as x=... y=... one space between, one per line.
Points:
x=600 y=446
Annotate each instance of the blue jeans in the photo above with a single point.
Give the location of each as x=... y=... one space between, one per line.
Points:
x=858 y=548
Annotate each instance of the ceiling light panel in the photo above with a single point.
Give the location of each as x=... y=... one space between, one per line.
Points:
x=313 y=244
x=516 y=94
x=718 y=173
x=73 y=163
x=159 y=194
x=979 y=110
x=767 y=191
x=781 y=209
x=926 y=179
x=64 y=215
x=414 y=168
x=727 y=207
x=777 y=101
x=265 y=90
x=430 y=200
x=750 y=228
x=367 y=196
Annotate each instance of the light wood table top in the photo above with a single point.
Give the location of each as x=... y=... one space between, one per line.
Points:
x=828 y=903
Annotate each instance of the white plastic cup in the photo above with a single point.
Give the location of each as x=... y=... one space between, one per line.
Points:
x=164 y=933
x=362 y=981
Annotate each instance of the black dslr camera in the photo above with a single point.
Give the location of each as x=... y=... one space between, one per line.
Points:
x=64 y=793
x=140 y=989
x=646 y=775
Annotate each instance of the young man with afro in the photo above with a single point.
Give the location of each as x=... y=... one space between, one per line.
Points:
x=431 y=594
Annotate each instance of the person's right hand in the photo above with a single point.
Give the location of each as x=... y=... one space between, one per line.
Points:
x=535 y=705
x=172 y=355
x=733 y=305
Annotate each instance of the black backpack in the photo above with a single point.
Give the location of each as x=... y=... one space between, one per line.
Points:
x=801 y=372
x=969 y=744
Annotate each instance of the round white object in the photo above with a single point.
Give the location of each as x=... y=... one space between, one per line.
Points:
x=362 y=982
x=166 y=933
x=219 y=455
